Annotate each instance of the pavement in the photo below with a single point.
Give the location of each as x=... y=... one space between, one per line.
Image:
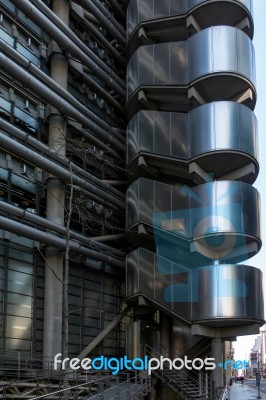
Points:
x=239 y=392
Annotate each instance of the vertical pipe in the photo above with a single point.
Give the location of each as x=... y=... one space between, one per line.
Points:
x=53 y=294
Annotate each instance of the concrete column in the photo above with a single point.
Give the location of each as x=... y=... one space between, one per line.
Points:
x=217 y=353
x=53 y=293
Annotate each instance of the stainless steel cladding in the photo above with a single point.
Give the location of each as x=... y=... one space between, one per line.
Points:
x=220 y=136
x=216 y=51
x=216 y=295
x=192 y=154
x=193 y=226
x=142 y=13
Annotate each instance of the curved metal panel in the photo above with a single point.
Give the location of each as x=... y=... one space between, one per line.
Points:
x=217 y=294
x=142 y=11
x=220 y=49
x=159 y=133
x=223 y=125
x=216 y=50
x=214 y=221
x=227 y=126
x=150 y=66
x=194 y=3
x=227 y=291
x=218 y=127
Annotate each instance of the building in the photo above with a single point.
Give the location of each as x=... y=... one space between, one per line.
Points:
x=263 y=348
x=128 y=151
x=256 y=357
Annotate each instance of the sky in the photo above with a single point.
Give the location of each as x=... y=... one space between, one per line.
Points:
x=244 y=344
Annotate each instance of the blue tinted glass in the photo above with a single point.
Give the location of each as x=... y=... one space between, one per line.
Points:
x=29 y=121
x=28 y=54
x=6 y=37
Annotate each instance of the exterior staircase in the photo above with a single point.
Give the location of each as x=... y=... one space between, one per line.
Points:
x=31 y=382
x=188 y=384
x=93 y=386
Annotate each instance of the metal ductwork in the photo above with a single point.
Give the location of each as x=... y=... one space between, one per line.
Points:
x=104 y=18
x=51 y=97
x=55 y=241
x=43 y=149
x=69 y=42
x=117 y=7
x=30 y=156
x=57 y=21
x=98 y=36
x=23 y=215
x=110 y=17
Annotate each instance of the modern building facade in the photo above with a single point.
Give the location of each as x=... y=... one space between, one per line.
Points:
x=255 y=357
x=128 y=151
x=263 y=349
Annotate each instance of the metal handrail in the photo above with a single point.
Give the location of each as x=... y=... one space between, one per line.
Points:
x=124 y=383
x=139 y=380
x=224 y=394
x=180 y=376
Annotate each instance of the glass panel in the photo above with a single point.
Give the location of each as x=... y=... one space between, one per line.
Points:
x=146 y=200
x=178 y=63
x=3 y=174
x=18 y=345
x=146 y=65
x=145 y=9
x=19 y=305
x=7 y=4
x=28 y=120
x=5 y=105
x=2 y=251
x=21 y=255
x=132 y=16
x=132 y=74
x=6 y=37
x=18 y=327
x=179 y=135
x=23 y=183
x=145 y=130
x=161 y=8
x=20 y=266
x=178 y=7
x=161 y=70
x=19 y=283
x=132 y=139
x=162 y=133
x=29 y=23
x=28 y=54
